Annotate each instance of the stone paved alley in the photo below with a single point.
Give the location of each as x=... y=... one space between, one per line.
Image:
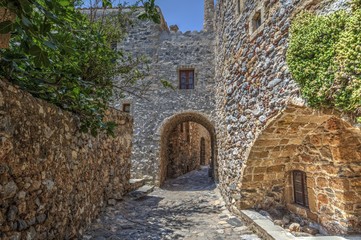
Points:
x=188 y=207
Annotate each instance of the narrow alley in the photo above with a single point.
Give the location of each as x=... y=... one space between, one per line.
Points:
x=188 y=207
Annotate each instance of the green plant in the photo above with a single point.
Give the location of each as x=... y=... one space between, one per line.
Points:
x=65 y=57
x=324 y=58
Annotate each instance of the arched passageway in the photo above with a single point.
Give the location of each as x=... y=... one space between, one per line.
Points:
x=308 y=161
x=181 y=145
x=189 y=147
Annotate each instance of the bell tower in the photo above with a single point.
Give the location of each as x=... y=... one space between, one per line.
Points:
x=208 y=15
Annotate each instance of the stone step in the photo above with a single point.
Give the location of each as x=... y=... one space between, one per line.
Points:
x=141 y=192
x=136 y=183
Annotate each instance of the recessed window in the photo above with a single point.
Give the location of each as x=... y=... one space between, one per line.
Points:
x=240 y=4
x=114 y=46
x=186 y=79
x=256 y=20
x=300 y=188
x=126 y=107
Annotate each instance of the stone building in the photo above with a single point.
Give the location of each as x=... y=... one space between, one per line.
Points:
x=186 y=60
x=274 y=152
x=267 y=149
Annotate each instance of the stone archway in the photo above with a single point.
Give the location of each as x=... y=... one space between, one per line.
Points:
x=321 y=145
x=166 y=129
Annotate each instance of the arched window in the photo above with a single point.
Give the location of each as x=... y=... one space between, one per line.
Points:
x=300 y=188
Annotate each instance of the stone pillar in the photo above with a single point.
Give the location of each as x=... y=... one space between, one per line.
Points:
x=208 y=15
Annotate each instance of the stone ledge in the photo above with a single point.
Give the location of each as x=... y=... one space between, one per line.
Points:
x=266 y=229
x=141 y=192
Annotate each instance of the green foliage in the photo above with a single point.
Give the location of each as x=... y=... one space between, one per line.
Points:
x=324 y=58
x=348 y=60
x=150 y=12
x=60 y=55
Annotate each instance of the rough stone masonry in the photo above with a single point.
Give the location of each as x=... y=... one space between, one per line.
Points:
x=168 y=52
x=259 y=124
x=54 y=179
x=269 y=150
x=266 y=134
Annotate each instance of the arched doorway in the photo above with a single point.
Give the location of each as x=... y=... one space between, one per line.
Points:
x=178 y=128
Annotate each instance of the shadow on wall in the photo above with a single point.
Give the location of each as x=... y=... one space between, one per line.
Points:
x=308 y=161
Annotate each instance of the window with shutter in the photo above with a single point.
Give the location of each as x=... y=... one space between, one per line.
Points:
x=186 y=79
x=300 y=188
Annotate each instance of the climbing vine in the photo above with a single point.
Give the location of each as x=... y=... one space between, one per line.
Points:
x=324 y=57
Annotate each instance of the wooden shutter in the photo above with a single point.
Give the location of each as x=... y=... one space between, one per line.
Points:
x=186 y=79
x=300 y=188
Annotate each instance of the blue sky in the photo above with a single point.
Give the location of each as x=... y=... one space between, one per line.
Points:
x=187 y=14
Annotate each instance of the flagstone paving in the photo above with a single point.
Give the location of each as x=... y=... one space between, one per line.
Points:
x=188 y=207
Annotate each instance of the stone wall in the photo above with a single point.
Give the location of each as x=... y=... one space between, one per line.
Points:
x=331 y=158
x=323 y=146
x=254 y=85
x=204 y=134
x=54 y=180
x=184 y=147
x=168 y=52
x=208 y=23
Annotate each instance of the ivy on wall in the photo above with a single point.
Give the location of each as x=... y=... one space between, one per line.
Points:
x=324 y=57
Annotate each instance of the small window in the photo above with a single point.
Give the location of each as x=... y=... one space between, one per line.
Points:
x=186 y=79
x=300 y=188
x=239 y=6
x=114 y=46
x=126 y=107
x=256 y=20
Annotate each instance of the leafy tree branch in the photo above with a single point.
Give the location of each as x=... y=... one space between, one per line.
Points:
x=66 y=57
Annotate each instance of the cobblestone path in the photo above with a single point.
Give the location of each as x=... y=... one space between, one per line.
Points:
x=188 y=207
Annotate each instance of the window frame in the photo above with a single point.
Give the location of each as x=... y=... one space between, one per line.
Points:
x=124 y=106
x=257 y=20
x=187 y=84
x=303 y=201
x=239 y=6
